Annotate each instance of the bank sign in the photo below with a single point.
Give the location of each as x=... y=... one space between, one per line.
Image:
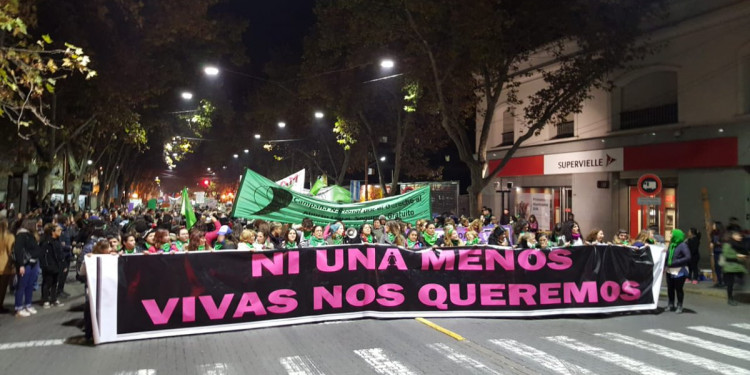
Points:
x=609 y=160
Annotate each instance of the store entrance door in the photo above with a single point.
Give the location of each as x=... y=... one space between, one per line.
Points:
x=663 y=216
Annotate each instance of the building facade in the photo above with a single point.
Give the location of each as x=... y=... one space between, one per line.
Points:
x=683 y=115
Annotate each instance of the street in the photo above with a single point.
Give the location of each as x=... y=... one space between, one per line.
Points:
x=710 y=337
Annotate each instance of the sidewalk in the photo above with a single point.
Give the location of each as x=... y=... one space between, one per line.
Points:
x=706 y=288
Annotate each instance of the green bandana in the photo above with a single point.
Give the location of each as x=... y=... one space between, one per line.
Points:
x=391 y=237
x=290 y=245
x=411 y=244
x=429 y=239
x=315 y=241
x=166 y=247
x=677 y=237
x=129 y=251
x=307 y=235
x=369 y=238
x=201 y=248
x=337 y=240
x=472 y=242
x=217 y=246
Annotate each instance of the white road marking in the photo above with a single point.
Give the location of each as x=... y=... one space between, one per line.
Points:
x=468 y=363
x=607 y=356
x=297 y=365
x=674 y=354
x=741 y=325
x=380 y=362
x=722 y=333
x=213 y=369
x=701 y=343
x=143 y=371
x=30 y=344
x=552 y=363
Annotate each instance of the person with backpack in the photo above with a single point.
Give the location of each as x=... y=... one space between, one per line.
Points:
x=51 y=263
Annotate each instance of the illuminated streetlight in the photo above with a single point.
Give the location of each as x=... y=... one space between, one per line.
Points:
x=382 y=158
x=257 y=136
x=89 y=162
x=319 y=114
x=224 y=167
x=235 y=156
x=282 y=124
x=208 y=169
x=187 y=95
x=211 y=70
x=387 y=63
x=247 y=151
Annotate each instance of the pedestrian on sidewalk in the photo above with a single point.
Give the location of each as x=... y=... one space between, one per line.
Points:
x=678 y=257
x=693 y=242
x=26 y=254
x=717 y=238
x=734 y=268
x=51 y=263
x=7 y=270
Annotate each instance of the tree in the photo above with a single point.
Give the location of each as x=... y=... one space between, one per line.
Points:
x=470 y=57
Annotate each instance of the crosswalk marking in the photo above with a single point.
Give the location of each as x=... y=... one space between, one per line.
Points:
x=380 y=362
x=297 y=365
x=552 y=363
x=741 y=325
x=701 y=343
x=468 y=363
x=29 y=344
x=722 y=333
x=706 y=363
x=214 y=369
x=143 y=371
x=613 y=358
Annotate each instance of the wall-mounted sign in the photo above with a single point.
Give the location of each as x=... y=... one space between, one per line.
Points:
x=609 y=160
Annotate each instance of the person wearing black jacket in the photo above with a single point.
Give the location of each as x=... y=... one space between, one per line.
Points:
x=26 y=254
x=51 y=263
x=693 y=243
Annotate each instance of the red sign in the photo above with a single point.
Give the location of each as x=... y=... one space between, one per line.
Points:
x=649 y=184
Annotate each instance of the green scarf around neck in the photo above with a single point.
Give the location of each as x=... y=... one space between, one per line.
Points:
x=678 y=237
x=315 y=241
x=429 y=239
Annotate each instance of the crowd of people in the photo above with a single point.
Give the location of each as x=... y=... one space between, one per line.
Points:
x=43 y=242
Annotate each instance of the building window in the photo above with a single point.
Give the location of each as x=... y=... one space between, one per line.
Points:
x=649 y=101
x=565 y=129
x=508 y=128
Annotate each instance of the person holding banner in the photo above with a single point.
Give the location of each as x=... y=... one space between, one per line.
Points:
x=365 y=233
x=498 y=237
x=412 y=240
x=247 y=238
x=392 y=235
x=162 y=243
x=337 y=234
x=471 y=238
x=290 y=239
x=678 y=257
x=596 y=237
x=128 y=244
x=621 y=238
x=261 y=242
x=429 y=237
x=317 y=238
x=197 y=241
x=183 y=238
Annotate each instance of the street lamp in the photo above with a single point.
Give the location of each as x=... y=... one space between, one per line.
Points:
x=282 y=124
x=257 y=136
x=235 y=156
x=382 y=158
x=89 y=162
x=211 y=70
x=319 y=114
x=247 y=151
x=387 y=63
x=186 y=95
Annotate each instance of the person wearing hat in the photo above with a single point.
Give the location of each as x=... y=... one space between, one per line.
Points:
x=337 y=234
x=221 y=239
x=678 y=257
x=147 y=241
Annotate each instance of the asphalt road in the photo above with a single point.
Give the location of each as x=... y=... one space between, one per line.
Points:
x=710 y=337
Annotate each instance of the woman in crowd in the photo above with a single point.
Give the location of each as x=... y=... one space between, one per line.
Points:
x=533 y=224
x=429 y=237
x=572 y=233
x=377 y=230
x=393 y=235
x=7 y=270
x=337 y=234
x=678 y=257
x=290 y=239
x=247 y=238
x=543 y=242
x=527 y=241
x=317 y=237
x=198 y=241
x=498 y=237
x=26 y=254
x=261 y=241
x=365 y=233
x=621 y=238
x=693 y=242
x=162 y=243
x=128 y=244
x=412 y=240
x=472 y=238
x=51 y=262
x=643 y=238
x=596 y=237
x=733 y=267
x=148 y=241
x=717 y=239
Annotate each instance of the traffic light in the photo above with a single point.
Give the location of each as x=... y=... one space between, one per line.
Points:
x=206 y=182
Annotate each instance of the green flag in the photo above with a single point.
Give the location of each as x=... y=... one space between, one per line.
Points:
x=260 y=198
x=319 y=184
x=187 y=210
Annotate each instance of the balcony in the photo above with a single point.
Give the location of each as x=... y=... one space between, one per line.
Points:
x=643 y=118
x=564 y=130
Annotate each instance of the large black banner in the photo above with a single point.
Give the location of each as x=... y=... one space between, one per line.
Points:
x=170 y=294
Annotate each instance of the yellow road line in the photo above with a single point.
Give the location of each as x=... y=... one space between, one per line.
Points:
x=440 y=329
